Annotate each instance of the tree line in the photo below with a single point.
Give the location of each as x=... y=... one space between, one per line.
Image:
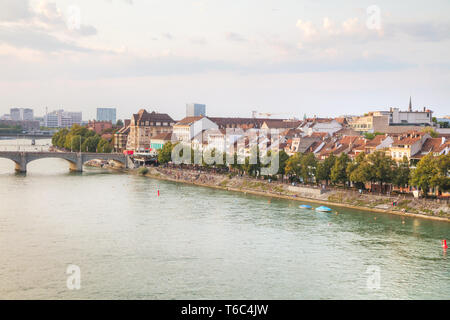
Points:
x=376 y=168
x=81 y=138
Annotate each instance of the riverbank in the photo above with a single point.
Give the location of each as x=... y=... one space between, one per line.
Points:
x=408 y=207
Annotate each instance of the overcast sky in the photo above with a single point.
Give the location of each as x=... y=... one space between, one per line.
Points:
x=288 y=57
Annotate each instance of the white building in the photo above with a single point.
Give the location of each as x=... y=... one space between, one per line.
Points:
x=329 y=127
x=21 y=114
x=187 y=128
x=62 y=119
x=410 y=117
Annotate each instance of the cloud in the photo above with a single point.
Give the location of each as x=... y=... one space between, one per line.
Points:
x=236 y=37
x=307 y=28
x=350 y=29
x=424 y=31
x=355 y=30
x=168 y=36
x=42 y=28
x=13 y=10
x=94 y=65
x=22 y=37
x=198 y=40
x=130 y=2
x=48 y=14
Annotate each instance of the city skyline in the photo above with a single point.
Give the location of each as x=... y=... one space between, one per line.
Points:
x=293 y=57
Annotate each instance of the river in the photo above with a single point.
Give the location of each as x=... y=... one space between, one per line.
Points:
x=195 y=243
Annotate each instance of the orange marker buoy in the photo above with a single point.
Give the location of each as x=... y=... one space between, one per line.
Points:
x=444 y=244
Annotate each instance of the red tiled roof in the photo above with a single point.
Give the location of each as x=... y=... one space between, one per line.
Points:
x=143 y=115
x=434 y=145
x=189 y=120
x=167 y=136
x=405 y=141
x=282 y=124
x=224 y=122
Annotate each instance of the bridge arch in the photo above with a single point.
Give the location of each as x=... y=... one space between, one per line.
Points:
x=76 y=160
x=72 y=162
x=13 y=158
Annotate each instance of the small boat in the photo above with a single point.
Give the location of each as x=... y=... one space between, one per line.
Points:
x=323 y=209
x=305 y=206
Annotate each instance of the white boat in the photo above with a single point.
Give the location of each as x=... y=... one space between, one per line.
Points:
x=323 y=209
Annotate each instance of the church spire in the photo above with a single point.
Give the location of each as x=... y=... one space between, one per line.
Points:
x=410 y=105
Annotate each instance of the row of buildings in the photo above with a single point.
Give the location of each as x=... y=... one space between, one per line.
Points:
x=398 y=133
x=24 y=117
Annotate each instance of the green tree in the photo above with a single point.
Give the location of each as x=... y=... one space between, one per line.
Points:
x=73 y=142
x=283 y=157
x=441 y=178
x=370 y=135
x=308 y=168
x=430 y=131
x=119 y=123
x=339 y=170
x=293 y=165
x=90 y=144
x=59 y=138
x=165 y=153
x=77 y=130
x=423 y=175
x=252 y=166
x=235 y=165
x=361 y=174
x=402 y=173
x=104 y=146
x=381 y=167
x=359 y=171
x=323 y=171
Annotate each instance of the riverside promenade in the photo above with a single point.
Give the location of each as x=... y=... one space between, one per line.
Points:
x=406 y=206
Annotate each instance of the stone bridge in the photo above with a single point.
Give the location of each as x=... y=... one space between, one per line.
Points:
x=75 y=159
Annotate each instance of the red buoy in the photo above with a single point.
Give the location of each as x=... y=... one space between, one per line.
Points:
x=444 y=244
x=158 y=192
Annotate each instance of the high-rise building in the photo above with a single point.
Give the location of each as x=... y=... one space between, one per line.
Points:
x=106 y=114
x=62 y=119
x=21 y=114
x=195 y=110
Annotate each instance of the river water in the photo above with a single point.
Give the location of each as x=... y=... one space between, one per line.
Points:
x=196 y=243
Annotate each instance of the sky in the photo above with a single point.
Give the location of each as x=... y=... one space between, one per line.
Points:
x=285 y=57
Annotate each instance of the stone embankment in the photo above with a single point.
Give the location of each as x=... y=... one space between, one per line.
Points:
x=406 y=206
